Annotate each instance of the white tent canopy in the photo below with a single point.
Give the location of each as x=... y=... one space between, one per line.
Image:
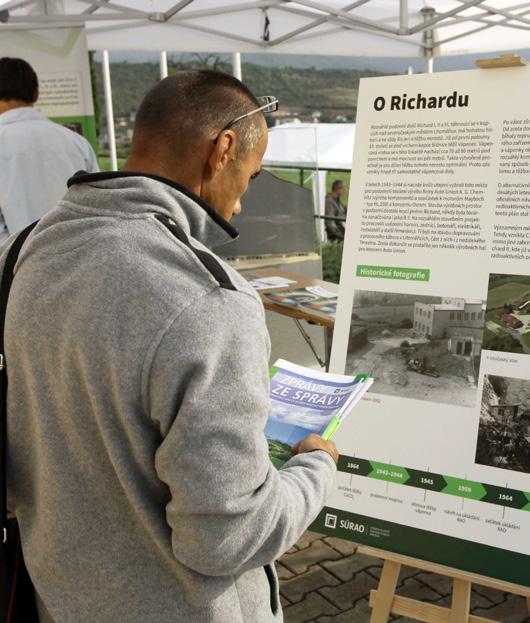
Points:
x=323 y=146
x=360 y=28
x=320 y=146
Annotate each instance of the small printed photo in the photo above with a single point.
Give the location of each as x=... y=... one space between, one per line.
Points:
x=292 y=298
x=421 y=347
x=504 y=429
x=74 y=126
x=313 y=299
x=507 y=326
x=326 y=307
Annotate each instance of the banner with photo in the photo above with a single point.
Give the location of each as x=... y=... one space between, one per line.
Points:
x=434 y=303
x=59 y=57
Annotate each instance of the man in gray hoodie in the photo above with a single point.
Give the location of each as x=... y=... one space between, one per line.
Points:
x=138 y=385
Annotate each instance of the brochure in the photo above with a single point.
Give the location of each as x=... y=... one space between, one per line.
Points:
x=314 y=298
x=306 y=401
x=328 y=307
x=268 y=283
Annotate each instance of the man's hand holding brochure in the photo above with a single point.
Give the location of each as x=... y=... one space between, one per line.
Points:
x=307 y=402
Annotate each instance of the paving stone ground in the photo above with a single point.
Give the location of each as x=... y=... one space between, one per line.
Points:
x=325 y=580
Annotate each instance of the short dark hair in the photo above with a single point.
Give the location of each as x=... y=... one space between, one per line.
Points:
x=336 y=184
x=196 y=103
x=18 y=81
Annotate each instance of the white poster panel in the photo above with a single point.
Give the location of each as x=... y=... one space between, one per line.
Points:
x=59 y=57
x=435 y=304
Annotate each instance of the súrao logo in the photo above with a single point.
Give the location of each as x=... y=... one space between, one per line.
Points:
x=330 y=521
x=346 y=524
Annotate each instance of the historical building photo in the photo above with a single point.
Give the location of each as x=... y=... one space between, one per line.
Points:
x=424 y=347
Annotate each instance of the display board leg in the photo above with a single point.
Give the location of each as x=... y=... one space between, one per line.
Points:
x=385 y=593
x=528 y=604
x=309 y=342
x=385 y=602
x=328 y=340
x=461 y=601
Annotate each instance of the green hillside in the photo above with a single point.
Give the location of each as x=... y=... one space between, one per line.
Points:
x=329 y=91
x=279 y=452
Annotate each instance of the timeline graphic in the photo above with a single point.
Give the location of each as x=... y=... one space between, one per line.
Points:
x=429 y=481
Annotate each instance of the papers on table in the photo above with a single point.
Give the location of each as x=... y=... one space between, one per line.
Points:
x=309 y=298
x=322 y=292
x=267 y=283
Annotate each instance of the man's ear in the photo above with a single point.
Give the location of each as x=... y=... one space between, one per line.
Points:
x=223 y=152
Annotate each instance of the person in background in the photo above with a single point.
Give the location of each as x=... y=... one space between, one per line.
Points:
x=335 y=207
x=37 y=156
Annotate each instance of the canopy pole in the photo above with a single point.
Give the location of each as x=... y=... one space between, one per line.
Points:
x=163 y=65
x=236 y=65
x=403 y=17
x=429 y=64
x=107 y=89
x=428 y=14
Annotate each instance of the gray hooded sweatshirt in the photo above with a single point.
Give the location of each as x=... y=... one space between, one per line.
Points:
x=138 y=395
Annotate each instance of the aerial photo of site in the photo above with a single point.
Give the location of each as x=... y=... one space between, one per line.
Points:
x=422 y=347
x=507 y=326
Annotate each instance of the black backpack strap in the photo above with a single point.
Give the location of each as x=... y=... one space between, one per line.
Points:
x=212 y=265
x=5 y=287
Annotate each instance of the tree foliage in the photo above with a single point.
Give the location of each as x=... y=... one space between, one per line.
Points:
x=306 y=90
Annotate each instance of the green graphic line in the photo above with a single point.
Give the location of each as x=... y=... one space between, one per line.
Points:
x=464 y=488
x=449 y=485
x=390 y=473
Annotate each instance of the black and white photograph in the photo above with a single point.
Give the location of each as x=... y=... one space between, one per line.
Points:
x=507 y=326
x=504 y=429
x=422 y=347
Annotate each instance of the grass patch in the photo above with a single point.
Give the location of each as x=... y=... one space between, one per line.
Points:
x=506 y=293
x=503 y=342
x=487 y=335
x=492 y=317
x=497 y=280
x=331 y=261
x=104 y=163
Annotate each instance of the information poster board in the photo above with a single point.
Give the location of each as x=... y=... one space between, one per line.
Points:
x=59 y=57
x=435 y=304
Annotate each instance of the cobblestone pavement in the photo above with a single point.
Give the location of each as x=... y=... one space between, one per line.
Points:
x=324 y=580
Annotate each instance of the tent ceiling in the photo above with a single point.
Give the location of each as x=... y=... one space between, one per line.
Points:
x=361 y=28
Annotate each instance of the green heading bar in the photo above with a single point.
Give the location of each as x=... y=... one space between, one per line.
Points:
x=393 y=272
